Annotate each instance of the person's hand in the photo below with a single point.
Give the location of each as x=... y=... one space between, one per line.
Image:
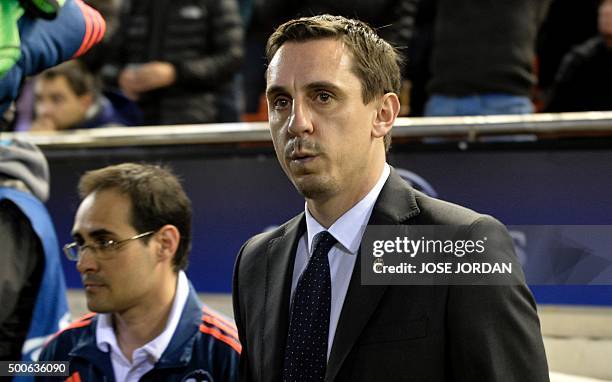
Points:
x=127 y=83
x=605 y=21
x=43 y=124
x=146 y=77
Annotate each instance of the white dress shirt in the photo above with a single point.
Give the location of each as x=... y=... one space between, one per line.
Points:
x=348 y=230
x=145 y=357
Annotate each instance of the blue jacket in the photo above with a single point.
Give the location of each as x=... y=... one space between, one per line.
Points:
x=204 y=347
x=46 y=43
x=51 y=305
x=115 y=110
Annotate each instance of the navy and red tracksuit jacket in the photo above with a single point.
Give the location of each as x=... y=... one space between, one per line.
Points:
x=204 y=347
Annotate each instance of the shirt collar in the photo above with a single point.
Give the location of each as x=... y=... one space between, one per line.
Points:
x=106 y=340
x=343 y=229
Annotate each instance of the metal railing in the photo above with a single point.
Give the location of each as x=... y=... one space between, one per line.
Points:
x=471 y=128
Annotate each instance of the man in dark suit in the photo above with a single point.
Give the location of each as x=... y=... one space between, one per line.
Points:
x=302 y=311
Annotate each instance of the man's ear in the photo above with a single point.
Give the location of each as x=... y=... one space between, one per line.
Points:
x=168 y=238
x=388 y=109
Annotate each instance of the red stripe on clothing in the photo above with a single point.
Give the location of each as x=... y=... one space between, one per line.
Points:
x=91 y=14
x=99 y=27
x=76 y=377
x=217 y=322
x=222 y=337
x=81 y=322
x=95 y=28
x=219 y=317
x=88 y=28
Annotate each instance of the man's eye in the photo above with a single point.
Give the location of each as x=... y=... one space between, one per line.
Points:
x=57 y=99
x=324 y=97
x=281 y=103
x=105 y=243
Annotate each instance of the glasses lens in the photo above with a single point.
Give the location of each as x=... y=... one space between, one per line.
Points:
x=72 y=251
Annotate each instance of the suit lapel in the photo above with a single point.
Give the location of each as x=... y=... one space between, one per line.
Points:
x=395 y=205
x=359 y=304
x=280 y=258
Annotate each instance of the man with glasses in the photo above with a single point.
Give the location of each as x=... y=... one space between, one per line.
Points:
x=132 y=238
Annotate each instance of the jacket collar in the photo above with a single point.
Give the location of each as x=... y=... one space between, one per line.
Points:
x=177 y=354
x=87 y=349
x=280 y=258
x=396 y=204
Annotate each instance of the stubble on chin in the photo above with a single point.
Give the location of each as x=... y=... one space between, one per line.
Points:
x=312 y=191
x=97 y=308
x=315 y=188
x=99 y=304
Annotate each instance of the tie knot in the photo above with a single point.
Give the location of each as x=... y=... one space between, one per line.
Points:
x=324 y=241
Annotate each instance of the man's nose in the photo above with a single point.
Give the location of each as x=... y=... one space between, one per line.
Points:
x=43 y=109
x=300 y=119
x=87 y=261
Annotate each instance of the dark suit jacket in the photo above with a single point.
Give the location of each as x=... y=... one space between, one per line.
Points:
x=394 y=333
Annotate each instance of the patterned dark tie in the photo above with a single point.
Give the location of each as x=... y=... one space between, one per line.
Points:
x=306 y=351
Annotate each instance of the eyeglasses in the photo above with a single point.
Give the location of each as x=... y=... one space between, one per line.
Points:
x=103 y=248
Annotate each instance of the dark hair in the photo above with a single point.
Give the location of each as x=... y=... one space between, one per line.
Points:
x=375 y=62
x=157 y=199
x=80 y=80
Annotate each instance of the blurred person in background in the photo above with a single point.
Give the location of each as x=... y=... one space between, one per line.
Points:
x=68 y=97
x=393 y=20
x=418 y=65
x=264 y=17
x=32 y=285
x=483 y=56
x=177 y=58
x=132 y=235
x=584 y=80
x=555 y=39
x=37 y=35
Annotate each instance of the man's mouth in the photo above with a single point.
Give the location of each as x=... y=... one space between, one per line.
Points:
x=92 y=286
x=301 y=157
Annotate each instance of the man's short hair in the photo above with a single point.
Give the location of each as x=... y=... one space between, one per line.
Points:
x=375 y=62
x=80 y=80
x=157 y=199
